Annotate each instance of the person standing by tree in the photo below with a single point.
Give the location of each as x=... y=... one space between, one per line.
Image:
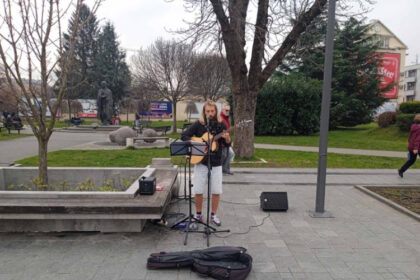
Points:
x=413 y=145
x=227 y=152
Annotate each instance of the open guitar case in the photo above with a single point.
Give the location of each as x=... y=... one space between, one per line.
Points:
x=221 y=262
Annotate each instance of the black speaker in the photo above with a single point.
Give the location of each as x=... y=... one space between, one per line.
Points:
x=274 y=201
x=147 y=185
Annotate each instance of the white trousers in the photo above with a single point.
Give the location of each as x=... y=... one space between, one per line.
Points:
x=200 y=179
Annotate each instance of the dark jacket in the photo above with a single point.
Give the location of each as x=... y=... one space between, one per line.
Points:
x=414 y=138
x=197 y=130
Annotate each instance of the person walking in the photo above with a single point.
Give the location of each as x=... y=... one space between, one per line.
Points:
x=413 y=145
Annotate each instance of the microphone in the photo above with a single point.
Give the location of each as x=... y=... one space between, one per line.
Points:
x=208 y=119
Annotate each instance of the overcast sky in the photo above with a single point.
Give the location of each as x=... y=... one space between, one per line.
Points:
x=140 y=22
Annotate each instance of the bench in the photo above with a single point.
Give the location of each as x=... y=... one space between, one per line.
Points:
x=185 y=126
x=146 y=123
x=12 y=125
x=162 y=129
x=131 y=140
x=74 y=121
x=138 y=127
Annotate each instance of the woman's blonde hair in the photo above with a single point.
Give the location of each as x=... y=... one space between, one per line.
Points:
x=417 y=118
x=203 y=113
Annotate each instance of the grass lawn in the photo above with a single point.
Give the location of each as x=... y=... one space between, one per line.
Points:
x=275 y=158
x=89 y=121
x=368 y=136
x=4 y=135
x=103 y=158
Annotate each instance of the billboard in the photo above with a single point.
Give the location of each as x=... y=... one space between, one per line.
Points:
x=161 y=109
x=89 y=108
x=390 y=71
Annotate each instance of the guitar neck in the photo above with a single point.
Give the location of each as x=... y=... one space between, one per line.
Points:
x=240 y=124
x=217 y=136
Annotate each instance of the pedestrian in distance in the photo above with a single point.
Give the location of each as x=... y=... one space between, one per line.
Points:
x=413 y=145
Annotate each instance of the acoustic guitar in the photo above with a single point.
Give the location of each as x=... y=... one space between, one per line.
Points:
x=210 y=138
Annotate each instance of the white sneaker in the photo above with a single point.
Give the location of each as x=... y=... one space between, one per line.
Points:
x=215 y=220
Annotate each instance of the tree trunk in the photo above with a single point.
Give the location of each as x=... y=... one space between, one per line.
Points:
x=245 y=103
x=128 y=111
x=69 y=104
x=42 y=154
x=174 y=117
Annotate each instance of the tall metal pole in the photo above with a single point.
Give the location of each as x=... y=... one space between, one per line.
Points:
x=325 y=115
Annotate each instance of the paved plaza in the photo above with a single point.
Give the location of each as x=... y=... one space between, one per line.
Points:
x=366 y=239
x=19 y=148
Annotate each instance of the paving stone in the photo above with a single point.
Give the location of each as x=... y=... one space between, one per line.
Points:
x=365 y=240
x=275 y=243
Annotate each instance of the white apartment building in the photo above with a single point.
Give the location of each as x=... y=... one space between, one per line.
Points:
x=411 y=84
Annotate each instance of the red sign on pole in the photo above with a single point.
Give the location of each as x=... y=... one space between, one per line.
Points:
x=390 y=71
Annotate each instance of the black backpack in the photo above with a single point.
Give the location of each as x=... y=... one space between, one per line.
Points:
x=222 y=262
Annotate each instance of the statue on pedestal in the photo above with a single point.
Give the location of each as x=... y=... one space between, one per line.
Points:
x=105 y=104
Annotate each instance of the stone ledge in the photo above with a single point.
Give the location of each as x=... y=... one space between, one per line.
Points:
x=116 y=214
x=129 y=193
x=61 y=225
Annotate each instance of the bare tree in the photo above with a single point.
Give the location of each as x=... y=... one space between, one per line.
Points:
x=191 y=109
x=7 y=102
x=142 y=97
x=30 y=47
x=209 y=77
x=163 y=68
x=276 y=27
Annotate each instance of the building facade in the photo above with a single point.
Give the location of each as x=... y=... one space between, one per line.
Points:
x=393 y=52
x=411 y=84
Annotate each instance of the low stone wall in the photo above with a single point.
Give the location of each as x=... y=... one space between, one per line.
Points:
x=15 y=176
x=56 y=211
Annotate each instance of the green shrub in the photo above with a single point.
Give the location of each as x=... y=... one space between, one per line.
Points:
x=386 y=119
x=410 y=107
x=289 y=104
x=404 y=121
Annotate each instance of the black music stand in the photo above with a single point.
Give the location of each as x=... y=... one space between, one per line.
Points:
x=188 y=148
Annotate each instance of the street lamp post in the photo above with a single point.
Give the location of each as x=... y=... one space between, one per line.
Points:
x=325 y=117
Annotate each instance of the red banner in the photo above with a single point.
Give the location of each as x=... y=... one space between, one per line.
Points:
x=87 y=115
x=390 y=71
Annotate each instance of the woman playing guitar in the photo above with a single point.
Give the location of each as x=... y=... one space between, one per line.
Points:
x=211 y=119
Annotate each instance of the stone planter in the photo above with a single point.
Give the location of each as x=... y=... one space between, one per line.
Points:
x=16 y=176
x=57 y=211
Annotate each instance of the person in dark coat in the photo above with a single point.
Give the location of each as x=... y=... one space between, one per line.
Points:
x=413 y=145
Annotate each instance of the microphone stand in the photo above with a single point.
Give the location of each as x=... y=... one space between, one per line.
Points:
x=190 y=220
x=209 y=229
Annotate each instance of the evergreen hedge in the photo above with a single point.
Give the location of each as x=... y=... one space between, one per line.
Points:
x=410 y=107
x=289 y=104
x=404 y=121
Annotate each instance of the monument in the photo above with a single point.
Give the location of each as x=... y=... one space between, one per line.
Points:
x=105 y=104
